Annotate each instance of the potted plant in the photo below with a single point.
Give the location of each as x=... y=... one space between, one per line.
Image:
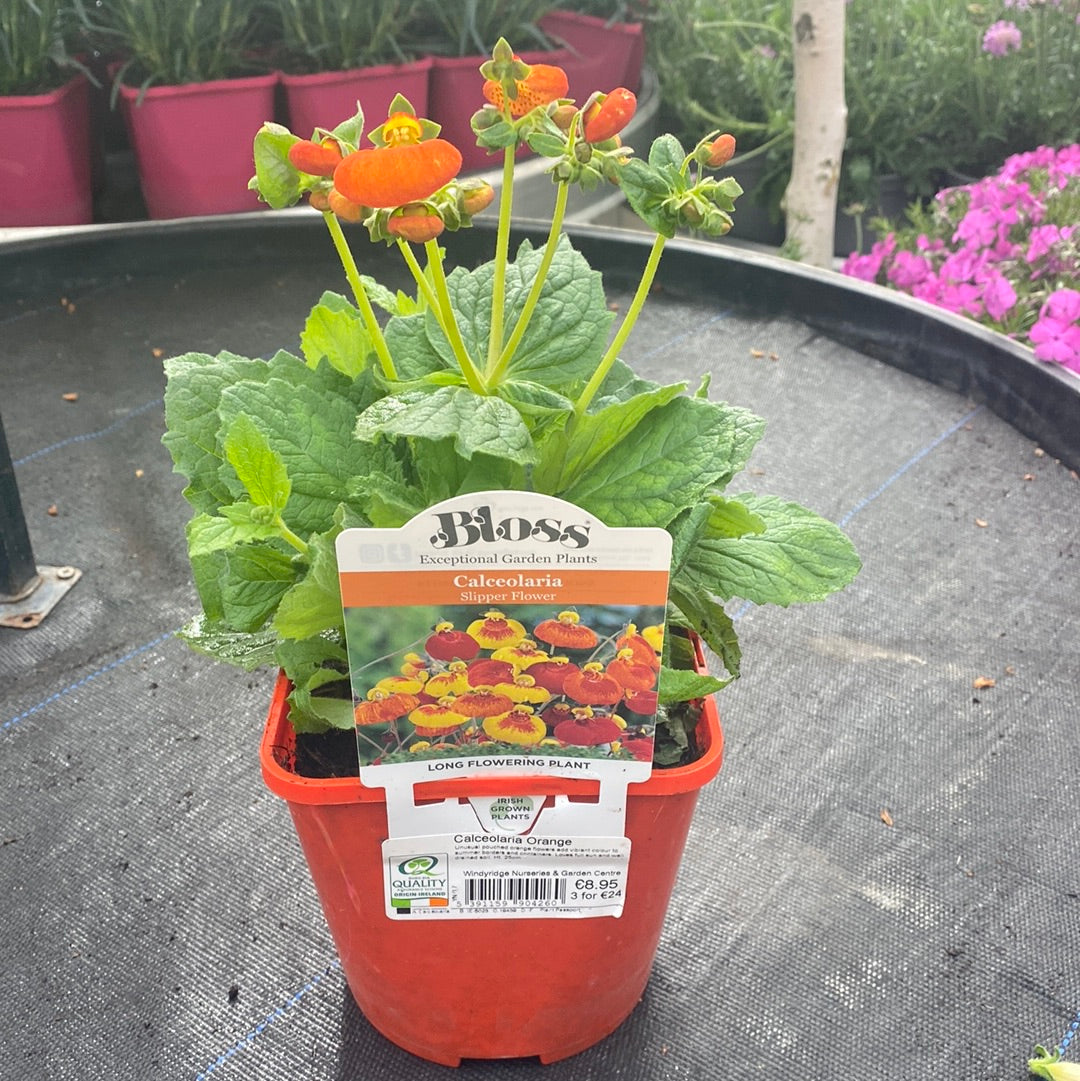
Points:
x=187 y=68
x=496 y=384
x=333 y=53
x=44 y=119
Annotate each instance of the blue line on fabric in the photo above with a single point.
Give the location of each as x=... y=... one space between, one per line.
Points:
x=137 y=411
x=56 y=695
x=1069 y=1035
x=267 y=1021
x=864 y=503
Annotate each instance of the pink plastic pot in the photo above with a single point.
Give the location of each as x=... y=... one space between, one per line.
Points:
x=614 y=51
x=45 y=157
x=487 y=988
x=193 y=143
x=328 y=97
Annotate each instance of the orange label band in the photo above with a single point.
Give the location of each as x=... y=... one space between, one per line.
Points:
x=381 y=589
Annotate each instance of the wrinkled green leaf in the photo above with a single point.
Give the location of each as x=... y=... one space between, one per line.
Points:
x=257 y=466
x=334 y=330
x=679 y=452
x=475 y=423
x=256 y=580
x=799 y=557
x=313 y=604
x=276 y=179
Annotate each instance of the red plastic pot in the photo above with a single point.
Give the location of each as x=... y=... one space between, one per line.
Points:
x=192 y=143
x=328 y=97
x=45 y=157
x=487 y=988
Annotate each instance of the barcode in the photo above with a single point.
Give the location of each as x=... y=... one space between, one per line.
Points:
x=514 y=890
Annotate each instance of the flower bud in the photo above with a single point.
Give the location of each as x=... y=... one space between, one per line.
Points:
x=608 y=117
x=416 y=223
x=720 y=151
x=315 y=159
x=320 y=200
x=562 y=116
x=344 y=208
x=476 y=195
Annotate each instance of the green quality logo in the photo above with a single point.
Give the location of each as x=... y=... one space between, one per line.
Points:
x=418 y=866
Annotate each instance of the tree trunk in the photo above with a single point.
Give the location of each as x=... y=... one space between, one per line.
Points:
x=820 y=129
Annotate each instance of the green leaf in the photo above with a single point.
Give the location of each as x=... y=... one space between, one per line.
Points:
x=702 y=613
x=313 y=604
x=195 y=382
x=799 y=557
x=476 y=423
x=317 y=713
x=679 y=452
x=248 y=651
x=334 y=330
x=677 y=685
x=567 y=332
x=310 y=427
x=586 y=439
x=277 y=180
x=258 y=467
x=667 y=154
x=210 y=533
x=256 y=578
x=352 y=130
x=415 y=355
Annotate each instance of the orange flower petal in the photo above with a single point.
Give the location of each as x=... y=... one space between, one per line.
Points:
x=388 y=176
x=545 y=83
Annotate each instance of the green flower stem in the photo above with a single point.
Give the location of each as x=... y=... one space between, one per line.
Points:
x=496 y=373
x=502 y=248
x=421 y=279
x=290 y=537
x=367 y=313
x=449 y=323
x=598 y=377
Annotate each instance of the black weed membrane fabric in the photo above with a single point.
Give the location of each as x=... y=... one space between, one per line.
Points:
x=881 y=883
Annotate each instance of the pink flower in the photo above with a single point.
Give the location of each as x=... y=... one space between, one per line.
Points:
x=998 y=295
x=1001 y=37
x=907 y=270
x=1056 y=335
x=961 y=298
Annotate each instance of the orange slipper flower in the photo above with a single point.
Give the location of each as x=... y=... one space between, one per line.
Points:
x=382 y=707
x=482 y=702
x=631 y=674
x=642 y=702
x=642 y=650
x=551 y=674
x=592 y=687
x=486 y=673
x=566 y=632
x=407 y=169
x=544 y=84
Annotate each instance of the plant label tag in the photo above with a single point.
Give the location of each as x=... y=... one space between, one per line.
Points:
x=484 y=876
x=503 y=628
